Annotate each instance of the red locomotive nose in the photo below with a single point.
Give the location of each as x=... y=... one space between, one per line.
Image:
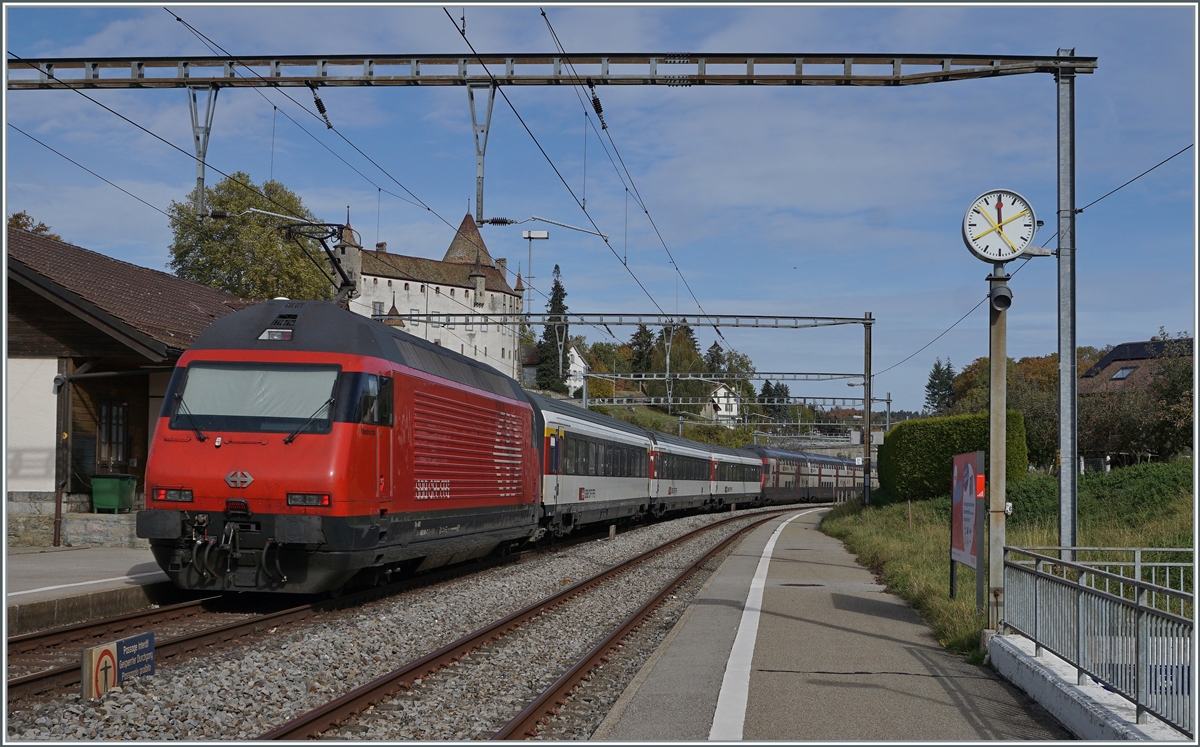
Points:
x=258 y=470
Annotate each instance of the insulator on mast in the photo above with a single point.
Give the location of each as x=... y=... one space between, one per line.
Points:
x=320 y=106
x=596 y=104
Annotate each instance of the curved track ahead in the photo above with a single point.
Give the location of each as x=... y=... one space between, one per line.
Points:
x=316 y=722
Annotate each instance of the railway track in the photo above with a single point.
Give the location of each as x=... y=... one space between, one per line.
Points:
x=366 y=699
x=34 y=652
x=48 y=661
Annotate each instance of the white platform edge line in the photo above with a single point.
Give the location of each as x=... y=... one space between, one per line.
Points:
x=730 y=716
x=86 y=583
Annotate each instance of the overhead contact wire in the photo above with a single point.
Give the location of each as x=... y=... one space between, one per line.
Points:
x=85 y=168
x=160 y=138
x=637 y=195
x=551 y=162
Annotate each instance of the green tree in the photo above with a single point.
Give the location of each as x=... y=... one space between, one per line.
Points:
x=641 y=344
x=939 y=389
x=1033 y=391
x=549 y=375
x=248 y=255
x=736 y=362
x=26 y=222
x=714 y=358
x=1171 y=395
x=780 y=412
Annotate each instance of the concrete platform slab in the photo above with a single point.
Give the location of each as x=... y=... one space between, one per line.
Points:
x=50 y=587
x=834 y=658
x=1089 y=710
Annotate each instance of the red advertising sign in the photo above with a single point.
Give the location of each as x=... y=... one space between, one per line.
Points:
x=965 y=538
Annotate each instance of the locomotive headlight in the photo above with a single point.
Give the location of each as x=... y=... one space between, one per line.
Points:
x=308 y=499
x=171 y=494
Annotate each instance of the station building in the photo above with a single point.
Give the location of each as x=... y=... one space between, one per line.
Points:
x=92 y=342
x=466 y=281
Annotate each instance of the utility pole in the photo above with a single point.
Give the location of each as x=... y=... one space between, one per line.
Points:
x=1068 y=446
x=867 y=324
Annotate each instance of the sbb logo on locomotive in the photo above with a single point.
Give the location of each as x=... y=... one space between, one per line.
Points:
x=428 y=490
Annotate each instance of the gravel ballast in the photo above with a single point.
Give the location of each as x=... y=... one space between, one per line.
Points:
x=244 y=692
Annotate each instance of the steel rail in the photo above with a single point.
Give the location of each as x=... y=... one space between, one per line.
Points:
x=325 y=717
x=526 y=723
x=56 y=637
x=60 y=677
x=68 y=676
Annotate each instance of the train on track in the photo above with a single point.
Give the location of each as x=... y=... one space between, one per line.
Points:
x=302 y=447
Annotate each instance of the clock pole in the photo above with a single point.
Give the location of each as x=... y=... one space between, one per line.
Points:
x=987 y=238
x=1001 y=298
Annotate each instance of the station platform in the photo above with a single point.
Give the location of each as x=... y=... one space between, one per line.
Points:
x=51 y=587
x=792 y=640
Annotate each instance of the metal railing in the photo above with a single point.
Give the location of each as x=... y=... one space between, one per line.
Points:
x=1130 y=635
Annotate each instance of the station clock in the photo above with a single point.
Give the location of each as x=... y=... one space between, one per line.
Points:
x=999 y=226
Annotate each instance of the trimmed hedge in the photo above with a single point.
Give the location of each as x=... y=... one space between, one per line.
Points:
x=916 y=457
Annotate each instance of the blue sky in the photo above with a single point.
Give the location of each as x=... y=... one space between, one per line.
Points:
x=807 y=201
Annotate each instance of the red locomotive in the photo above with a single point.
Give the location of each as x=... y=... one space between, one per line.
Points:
x=301 y=444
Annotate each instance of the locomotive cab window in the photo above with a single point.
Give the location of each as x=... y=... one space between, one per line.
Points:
x=374 y=400
x=252 y=397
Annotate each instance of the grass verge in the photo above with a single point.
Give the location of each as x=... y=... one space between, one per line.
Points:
x=1149 y=505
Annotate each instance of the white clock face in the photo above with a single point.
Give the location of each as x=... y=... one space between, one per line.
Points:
x=999 y=226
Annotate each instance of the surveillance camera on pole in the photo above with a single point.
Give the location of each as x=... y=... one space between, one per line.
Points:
x=999 y=227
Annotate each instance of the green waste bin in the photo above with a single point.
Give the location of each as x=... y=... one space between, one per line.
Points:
x=113 y=492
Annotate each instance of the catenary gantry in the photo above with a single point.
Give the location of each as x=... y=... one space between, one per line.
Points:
x=650 y=320
x=527 y=69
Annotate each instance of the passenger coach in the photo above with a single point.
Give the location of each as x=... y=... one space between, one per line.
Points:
x=596 y=468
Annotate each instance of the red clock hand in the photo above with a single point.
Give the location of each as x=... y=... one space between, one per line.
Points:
x=999 y=207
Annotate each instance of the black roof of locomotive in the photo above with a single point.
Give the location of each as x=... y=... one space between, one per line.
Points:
x=321 y=326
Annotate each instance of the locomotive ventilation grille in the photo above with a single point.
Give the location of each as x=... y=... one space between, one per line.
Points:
x=480 y=447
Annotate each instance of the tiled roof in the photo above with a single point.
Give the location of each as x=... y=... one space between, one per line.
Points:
x=467 y=245
x=167 y=309
x=1132 y=351
x=1136 y=356
x=432 y=271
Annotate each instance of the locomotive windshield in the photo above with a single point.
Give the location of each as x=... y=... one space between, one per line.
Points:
x=254 y=397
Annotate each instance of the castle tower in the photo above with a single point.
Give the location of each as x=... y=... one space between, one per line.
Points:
x=347 y=252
